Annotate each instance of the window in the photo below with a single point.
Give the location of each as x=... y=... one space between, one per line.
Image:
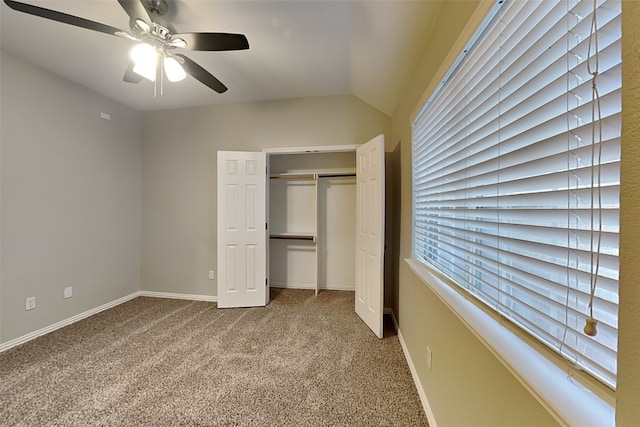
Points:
x=516 y=173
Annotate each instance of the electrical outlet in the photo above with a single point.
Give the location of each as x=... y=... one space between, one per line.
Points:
x=429 y=358
x=30 y=303
x=211 y=275
x=68 y=292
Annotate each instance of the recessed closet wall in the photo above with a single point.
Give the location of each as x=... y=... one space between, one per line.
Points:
x=312 y=205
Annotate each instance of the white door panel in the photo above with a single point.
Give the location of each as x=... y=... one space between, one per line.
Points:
x=241 y=229
x=370 y=233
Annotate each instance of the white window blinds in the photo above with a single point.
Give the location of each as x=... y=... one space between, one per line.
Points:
x=516 y=173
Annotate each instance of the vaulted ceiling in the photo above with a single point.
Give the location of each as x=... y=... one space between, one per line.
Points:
x=298 y=48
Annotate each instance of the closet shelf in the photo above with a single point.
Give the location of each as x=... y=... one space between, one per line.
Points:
x=294 y=236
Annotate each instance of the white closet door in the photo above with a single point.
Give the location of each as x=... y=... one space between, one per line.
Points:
x=241 y=229
x=370 y=233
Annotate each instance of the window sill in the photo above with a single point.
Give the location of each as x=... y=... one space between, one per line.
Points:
x=569 y=402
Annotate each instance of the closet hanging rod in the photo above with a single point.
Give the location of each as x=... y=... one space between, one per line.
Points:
x=313 y=175
x=337 y=175
x=294 y=176
x=291 y=236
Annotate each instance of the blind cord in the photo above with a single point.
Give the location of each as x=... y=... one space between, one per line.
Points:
x=590 y=327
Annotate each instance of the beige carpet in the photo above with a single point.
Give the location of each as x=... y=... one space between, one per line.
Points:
x=301 y=361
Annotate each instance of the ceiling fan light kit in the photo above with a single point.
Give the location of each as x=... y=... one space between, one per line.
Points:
x=153 y=57
x=173 y=69
x=145 y=60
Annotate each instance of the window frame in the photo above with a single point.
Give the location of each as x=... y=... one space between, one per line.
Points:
x=469 y=310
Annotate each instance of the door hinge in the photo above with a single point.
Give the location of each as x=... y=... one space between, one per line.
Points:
x=266 y=282
x=266 y=225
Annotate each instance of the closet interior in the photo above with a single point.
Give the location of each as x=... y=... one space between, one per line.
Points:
x=312 y=220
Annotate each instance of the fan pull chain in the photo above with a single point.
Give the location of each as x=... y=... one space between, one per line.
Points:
x=155 y=84
x=162 y=76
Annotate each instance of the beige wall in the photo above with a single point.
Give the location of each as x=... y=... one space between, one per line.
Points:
x=467 y=385
x=179 y=172
x=465 y=375
x=71 y=201
x=628 y=392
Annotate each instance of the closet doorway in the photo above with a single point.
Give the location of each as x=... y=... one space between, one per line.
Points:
x=268 y=230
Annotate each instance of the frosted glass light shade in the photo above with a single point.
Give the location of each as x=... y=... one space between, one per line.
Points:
x=173 y=69
x=145 y=59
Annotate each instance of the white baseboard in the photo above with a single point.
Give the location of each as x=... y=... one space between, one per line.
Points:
x=35 y=334
x=169 y=295
x=414 y=373
x=312 y=286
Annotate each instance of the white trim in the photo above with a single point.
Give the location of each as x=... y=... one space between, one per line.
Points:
x=414 y=373
x=313 y=286
x=35 y=334
x=569 y=402
x=292 y=286
x=43 y=331
x=317 y=149
x=191 y=297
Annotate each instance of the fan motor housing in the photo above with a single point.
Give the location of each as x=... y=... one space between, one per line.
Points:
x=159 y=7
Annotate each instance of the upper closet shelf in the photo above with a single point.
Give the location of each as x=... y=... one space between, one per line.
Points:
x=318 y=149
x=294 y=175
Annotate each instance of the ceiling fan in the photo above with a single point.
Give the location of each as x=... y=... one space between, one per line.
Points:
x=154 y=56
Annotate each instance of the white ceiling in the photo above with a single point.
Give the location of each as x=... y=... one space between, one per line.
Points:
x=298 y=48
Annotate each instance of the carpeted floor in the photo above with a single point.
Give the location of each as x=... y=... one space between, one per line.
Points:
x=301 y=361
